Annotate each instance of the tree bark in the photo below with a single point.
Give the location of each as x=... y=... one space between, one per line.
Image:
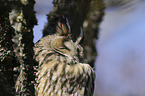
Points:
x=23 y=20
x=6 y=51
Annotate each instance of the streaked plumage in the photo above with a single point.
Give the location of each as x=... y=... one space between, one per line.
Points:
x=60 y=72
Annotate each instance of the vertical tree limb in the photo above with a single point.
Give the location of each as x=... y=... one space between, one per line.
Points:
x=91 y=29
x=6 y=51
x=23 y=20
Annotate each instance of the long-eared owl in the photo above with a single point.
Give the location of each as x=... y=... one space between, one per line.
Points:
x=60 y=72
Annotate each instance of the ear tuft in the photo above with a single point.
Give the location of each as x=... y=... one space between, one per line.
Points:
x=63 y=29
x=80 y=37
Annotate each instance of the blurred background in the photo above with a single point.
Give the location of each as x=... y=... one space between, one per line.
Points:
x=120 y=64
x=42 y=8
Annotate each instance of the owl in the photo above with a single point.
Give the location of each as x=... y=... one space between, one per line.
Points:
x=60 y=70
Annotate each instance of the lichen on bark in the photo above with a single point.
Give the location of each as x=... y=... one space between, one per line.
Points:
x=23 y=20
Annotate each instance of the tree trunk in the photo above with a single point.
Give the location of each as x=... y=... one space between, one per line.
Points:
x=6 y=51
x=22 y=19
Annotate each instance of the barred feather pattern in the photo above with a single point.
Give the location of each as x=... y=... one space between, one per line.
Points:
x=60 y=72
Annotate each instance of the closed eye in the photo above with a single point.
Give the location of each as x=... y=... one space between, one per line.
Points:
x=64 y=48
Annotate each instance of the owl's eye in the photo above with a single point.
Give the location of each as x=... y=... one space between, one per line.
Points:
x=62 y=48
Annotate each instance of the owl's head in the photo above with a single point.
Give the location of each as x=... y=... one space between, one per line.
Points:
x=63 y=43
